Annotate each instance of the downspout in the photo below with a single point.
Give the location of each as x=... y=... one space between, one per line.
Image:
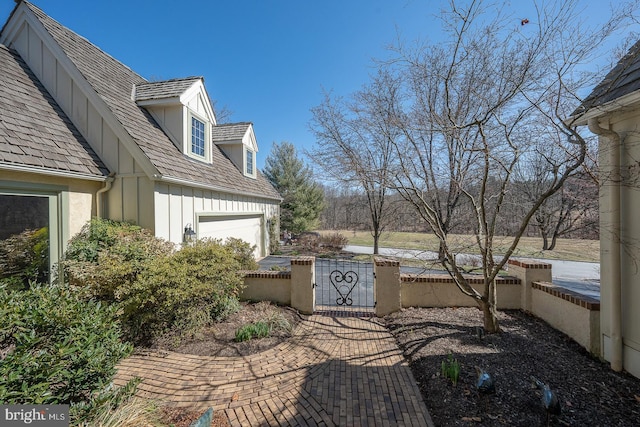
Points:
x=615 y=272
x=100 y=192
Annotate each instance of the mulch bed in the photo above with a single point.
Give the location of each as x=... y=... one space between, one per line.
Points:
x=219 y=340
x=590 y=393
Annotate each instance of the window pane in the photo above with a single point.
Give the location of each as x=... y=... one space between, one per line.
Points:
x=197 y=137
x=24 y=240
x=249 y=162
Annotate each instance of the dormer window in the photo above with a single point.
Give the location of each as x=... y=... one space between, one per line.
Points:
x=238 y=142
x=198 y=136
x=183 y=110
x=249 y=168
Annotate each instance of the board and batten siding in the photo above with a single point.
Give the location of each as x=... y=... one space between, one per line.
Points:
x=131 y=196
x=171 y=120
x=176 y=206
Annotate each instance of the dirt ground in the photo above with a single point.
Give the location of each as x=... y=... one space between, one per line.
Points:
x=219 y=340
x=590 y=393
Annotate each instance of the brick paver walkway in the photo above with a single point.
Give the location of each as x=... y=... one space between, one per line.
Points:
x=334 y=372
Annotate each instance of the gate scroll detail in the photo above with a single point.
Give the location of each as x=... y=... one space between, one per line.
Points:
x=344 y=282
x=344 y=286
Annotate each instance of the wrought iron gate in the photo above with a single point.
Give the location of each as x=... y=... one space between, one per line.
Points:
x=344 y=287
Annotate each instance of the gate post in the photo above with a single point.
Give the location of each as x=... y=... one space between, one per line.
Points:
x=529 y=272
x=303 y=295
x=387 y=286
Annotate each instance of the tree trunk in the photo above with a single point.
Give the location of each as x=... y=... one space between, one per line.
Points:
x=441 y=255
x=554 y=240
x=545 y=241
x=490 y=314
x=489 y=310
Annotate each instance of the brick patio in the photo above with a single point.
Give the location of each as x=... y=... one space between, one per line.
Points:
x=335 y=371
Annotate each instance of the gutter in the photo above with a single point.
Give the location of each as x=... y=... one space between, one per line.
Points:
x=107 y=186
x=615 y=273
x=623 y=103
x=184 y=182
x=51 y=172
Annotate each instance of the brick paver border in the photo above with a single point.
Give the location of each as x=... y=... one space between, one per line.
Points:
x=333 y=371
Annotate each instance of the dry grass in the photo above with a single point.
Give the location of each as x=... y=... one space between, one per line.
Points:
x=136 y=412
x=531 y=247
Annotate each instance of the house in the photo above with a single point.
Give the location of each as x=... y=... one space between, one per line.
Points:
x=82 y=135
x=612 y=111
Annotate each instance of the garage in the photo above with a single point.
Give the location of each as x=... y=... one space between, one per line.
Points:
x=246 y=227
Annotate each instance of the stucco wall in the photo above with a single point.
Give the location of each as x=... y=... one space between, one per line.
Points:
x=440 y=291
x=78 y=203
x=580 y=318
x=274 y=286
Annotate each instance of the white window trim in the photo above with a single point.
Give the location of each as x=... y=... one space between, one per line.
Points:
x=207 y=137
x=244 y=162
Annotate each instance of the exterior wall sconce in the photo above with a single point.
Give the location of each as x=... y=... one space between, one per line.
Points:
x=189 y=234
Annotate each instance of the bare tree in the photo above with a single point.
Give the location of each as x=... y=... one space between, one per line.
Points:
x=476 y=108
x=354 y=142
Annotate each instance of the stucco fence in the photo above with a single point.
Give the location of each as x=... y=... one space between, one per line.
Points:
x=528 y=287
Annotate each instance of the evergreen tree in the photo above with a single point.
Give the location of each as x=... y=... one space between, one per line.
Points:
x=303 y=199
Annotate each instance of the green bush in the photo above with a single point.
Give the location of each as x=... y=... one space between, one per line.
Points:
x=243 y=252
x=24 y=258
x=107 y=255
x=59 y=348
x=160 y=290
x=184 y=291
x=97 y=235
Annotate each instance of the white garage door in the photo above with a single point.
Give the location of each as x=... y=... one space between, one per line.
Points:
x=246 y=228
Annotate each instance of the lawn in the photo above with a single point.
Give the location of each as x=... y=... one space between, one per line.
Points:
x=531 y=247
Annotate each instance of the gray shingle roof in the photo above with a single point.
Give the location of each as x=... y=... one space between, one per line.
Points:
x=622 y=80
x=34 y=131
x=229 y=131
x=113 y=82
x=164 y=89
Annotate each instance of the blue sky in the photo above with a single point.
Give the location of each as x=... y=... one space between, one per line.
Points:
x=268 y=61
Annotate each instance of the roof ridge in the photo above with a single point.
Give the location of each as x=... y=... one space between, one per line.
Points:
x=176 y=79
x=234 y=124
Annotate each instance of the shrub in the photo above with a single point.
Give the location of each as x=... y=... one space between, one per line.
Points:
x=160 y=290
x=24 y=258
x=243 y=252
x=59 y=348
x=335 y=241
x=309 y=241
x=95 y=236
x=186 y=290
x=107 y=255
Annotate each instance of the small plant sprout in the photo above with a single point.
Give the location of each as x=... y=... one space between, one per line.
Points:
x=450 y=368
